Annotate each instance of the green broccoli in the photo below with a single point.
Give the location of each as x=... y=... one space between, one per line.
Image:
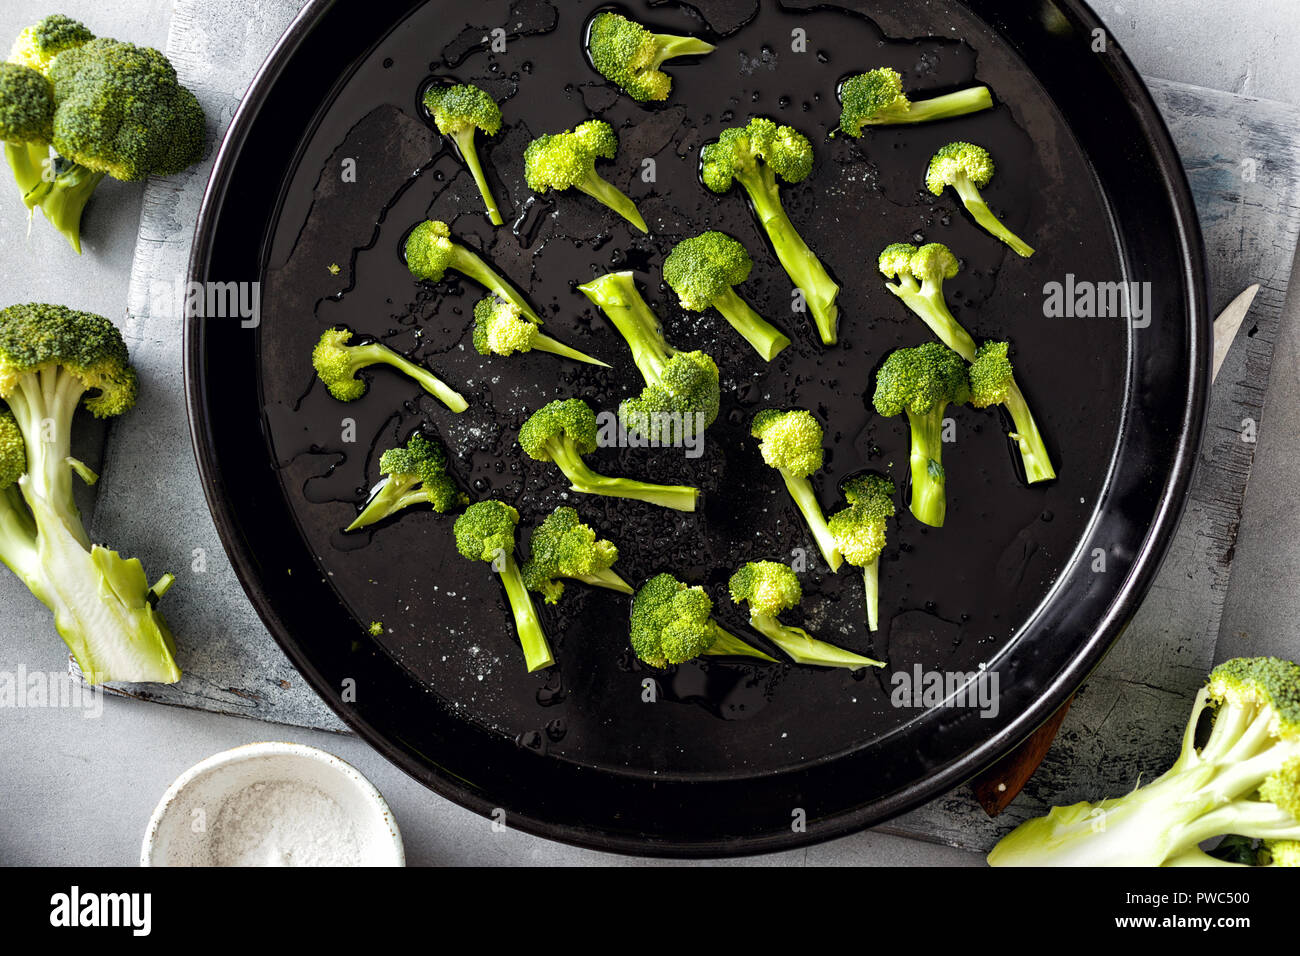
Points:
x=876 y=98
x=993 y=382
x=626 y=53
x=920 y=274
x=791 y=442
x=968 y=169
x=486 y=532
x=501 y=329
x=563 y=431
x=1244 y=780
x=431 y=251
x=337 y=363
x=458 y=112
x=568 y=160
x=52 y=360
x=682 y=389
x=119 y=111
x=923 y=382
x=672 y=624
x=564 y=547
x=754 y=155
x=771 y=589
x=703 y=270
x=859 y=532
x=26 y=124
x=412 y=475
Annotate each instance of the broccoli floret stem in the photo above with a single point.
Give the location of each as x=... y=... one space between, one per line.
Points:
x=979 y=209
x=936 y=108
x=544 y=343
x=64 y=198
x=617 y=296
x=805 y=499
x=18 y=540
x=871 y=587
x=537 y=650
x=1033 y=452
x=669 y=47
x=43 y=404
x=800 y=263
x=469 y=263
x=391 y=496
x=726 y=644
x=607 y=579
x=766 y=338
x=376 y=354
x=465 y=143
x=929 y=305
x=803 y=648
x=612 y=197
x=929 y=484
x=585 y=481
x=27 y=160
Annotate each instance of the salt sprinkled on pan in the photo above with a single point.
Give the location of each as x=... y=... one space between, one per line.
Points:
x=283 y=823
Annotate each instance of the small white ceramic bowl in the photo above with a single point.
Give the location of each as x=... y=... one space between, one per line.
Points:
x=174 y=838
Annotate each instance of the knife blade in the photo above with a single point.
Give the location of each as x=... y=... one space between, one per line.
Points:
x=1227 y=325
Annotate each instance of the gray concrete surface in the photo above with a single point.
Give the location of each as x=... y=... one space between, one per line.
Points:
x=64 y=776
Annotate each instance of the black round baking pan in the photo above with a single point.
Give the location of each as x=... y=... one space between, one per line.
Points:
x=329 y=162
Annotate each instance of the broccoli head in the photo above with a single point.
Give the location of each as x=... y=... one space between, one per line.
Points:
x=431 y=251
x=791 y=442
x=500 y=328
x=672 y=624
x=968 y=168
x=412 y=474
x=564 y=547
x=39 y=44
x=337 y=362
x=919 y=275
x=568 y=161
x=629 y=55
x=876 y=98
x=754 y=155
x=993 y=382
x=459 y=111
x=486 y=532
x=53 y=360
x=704 y=270
x=859 y=532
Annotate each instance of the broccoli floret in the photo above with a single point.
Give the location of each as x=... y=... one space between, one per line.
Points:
x=39 y=44
x=337 y=363
x=968 y=169
x=1244 y=780
x=486 y=532
x=563 y=431
x=564 y=547
x=626 y=53
x=876 y=98
x=920 y=274
x=791 y=442
x=682 y=390
x=412 y=475
x=52 y=360
x=771 y=589
x=859 y=532
x=754 y=156
x=458 y=111
x=501 y=329
x=26 y=123
x=923 y=382
x=119 y=111
x=993 y=382
x=672 y=624
x=703 y=270
x=431 y=251
x=568 y=160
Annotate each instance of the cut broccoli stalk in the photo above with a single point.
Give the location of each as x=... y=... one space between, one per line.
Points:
x=871 y=591
x=968 y=168
x=860 y=532
x=431 y=251
x=768 y=341
x=617 y=296
x=803 y=648
x=919 y=275
x=877 y=99
x=805 y=499
x=63 y=199
x=791 y=442
x=993 y=382
x=929 y=482
x=337 y=363
x=465 y=145
x=947 y=106
x=982 y=214
x=459 y=112
x=585 y=481
x=28 y=162
x=726 y=644
x=537 y=650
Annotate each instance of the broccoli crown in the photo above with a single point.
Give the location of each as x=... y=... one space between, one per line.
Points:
x=958 y=160
x=625 y=52
x=39 y=44
x=564 y=159
x=1261 y=682
x=790 y=441
x=1283 y=852
x=868 y=94
x=991 y=375
x=35 y=338
x=501 y=328
x=429 y=250
x=671 y=622
x=425 y=462
x=120 y=110
x=859 y=529
x=486 y=530
x=921 y=380
x=705 y=267
x=564 y=547
x=785 y=150
x=768 y=587
x=456 y=109
x=571 y=419
x=934 y=262
x=337 y=365
x=13 y=450
x=688 y=386
x=896 y=260
x=1282 y=787
x=26 y=105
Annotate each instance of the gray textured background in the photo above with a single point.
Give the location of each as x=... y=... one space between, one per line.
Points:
x=106 y=774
